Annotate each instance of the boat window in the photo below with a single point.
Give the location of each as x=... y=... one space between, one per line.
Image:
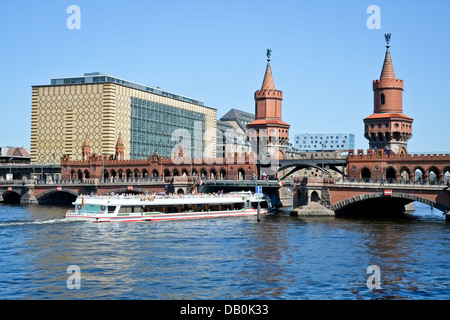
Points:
x=111 y=209
x=125 y=209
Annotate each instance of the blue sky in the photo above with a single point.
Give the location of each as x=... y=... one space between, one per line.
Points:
x=324 y=58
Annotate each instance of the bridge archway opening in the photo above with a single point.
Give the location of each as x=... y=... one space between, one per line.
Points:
x=383 y=207
x=315 y=196
x=391 y=174
x=106 y=174
x=379 y=205
x=145 y=174
x=419 y=174
x=446 y=175
x=213 y=174
x=11 y=197
x=241 y=174
x=366 y=174
x=223 y=174
x=433 y=175
x=129 y=175
x=203 y=174
x=57 y=198
x=405 y=174
x=155 y=175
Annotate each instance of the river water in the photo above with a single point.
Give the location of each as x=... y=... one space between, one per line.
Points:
x=279 y=257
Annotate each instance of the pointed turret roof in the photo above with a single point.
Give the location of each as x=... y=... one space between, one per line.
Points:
x=268 y=83
x=388 y=68
x=86 y=142
x=119 y=140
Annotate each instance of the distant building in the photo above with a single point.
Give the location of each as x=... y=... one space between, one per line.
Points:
x=234 y=122
x=14 y=155
x=100 y=107
x=314 y=142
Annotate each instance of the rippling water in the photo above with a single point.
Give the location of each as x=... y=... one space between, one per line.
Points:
x=280 y=257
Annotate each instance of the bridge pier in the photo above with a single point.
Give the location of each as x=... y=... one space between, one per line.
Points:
x=28 y=196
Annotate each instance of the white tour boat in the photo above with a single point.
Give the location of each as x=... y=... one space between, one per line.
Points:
x=159 y=208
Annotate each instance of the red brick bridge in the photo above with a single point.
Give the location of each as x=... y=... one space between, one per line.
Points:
x=358 y=197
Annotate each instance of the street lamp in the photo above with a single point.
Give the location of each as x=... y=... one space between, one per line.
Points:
x=323 y=145
x=10 y=176
x=103 y=169
x=42 y=171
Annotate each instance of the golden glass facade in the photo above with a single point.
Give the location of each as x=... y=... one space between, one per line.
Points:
x=64 y=114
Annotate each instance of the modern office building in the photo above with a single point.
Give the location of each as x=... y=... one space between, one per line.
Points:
x=312 y=142
x=100 y=107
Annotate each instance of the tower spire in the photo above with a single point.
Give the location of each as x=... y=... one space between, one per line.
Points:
x=388 y=128
x=388 y=68
x=268 y=83
x=268 y=128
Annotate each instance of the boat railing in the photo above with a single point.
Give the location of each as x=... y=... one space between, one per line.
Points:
x=144 y=197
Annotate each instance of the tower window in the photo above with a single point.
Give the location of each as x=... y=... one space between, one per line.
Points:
x=382 y=99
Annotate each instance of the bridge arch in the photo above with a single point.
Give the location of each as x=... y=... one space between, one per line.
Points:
x=10 y=196
x=378 y=201
x=55 y=196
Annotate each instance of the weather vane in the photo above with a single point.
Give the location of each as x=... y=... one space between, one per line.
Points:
x=387 y=37
x=269 y=53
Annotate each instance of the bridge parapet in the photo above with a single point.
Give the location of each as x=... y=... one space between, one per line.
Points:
x=381 y=154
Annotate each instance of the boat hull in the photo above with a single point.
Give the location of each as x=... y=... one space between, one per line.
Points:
x=101 y=217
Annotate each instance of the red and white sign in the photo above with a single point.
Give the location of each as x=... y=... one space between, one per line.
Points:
x=388 y=192
x=130 y=188
x=9 y=188
x=281 y=183
x=58 y=188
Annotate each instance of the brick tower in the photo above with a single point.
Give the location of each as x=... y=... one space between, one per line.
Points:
x=120 y=147
x=268 y=124
x=86 y=149
x=388 y=128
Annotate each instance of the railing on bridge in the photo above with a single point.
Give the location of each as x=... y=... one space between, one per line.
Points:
x=187 y=179
x=393 y=182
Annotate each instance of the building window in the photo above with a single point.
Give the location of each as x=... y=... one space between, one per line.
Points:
x=382 y=99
